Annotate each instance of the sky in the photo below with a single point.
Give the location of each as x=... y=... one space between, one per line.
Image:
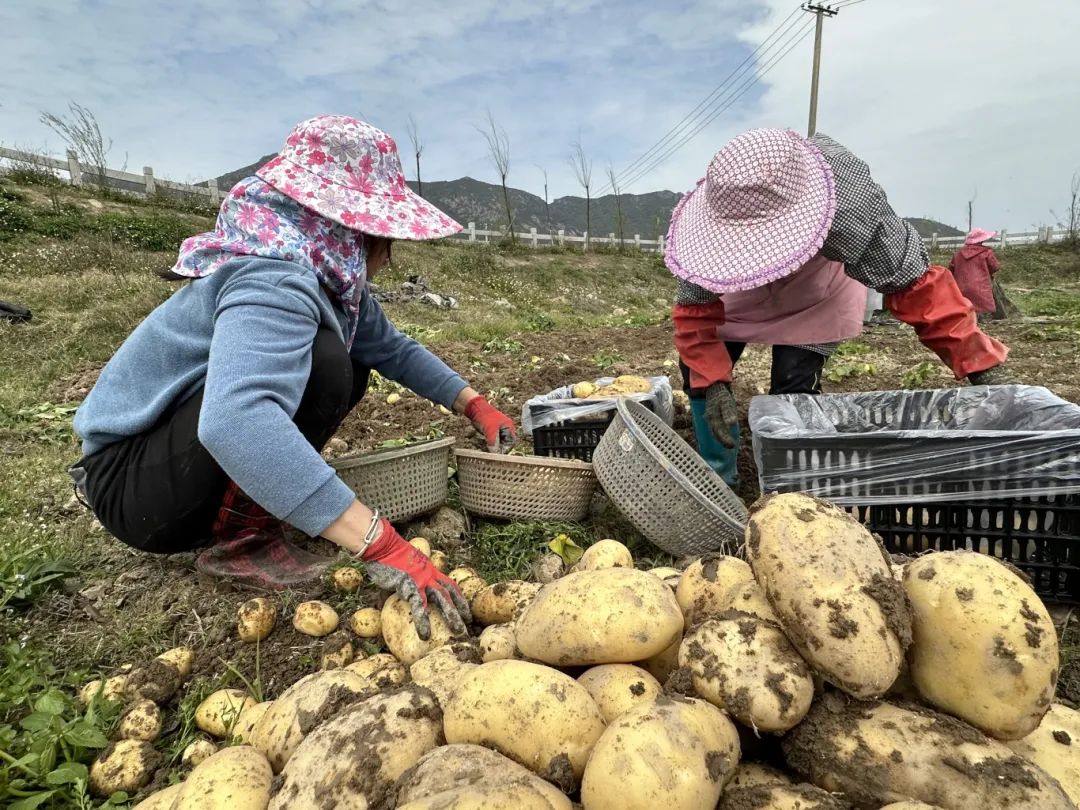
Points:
x=947 y=100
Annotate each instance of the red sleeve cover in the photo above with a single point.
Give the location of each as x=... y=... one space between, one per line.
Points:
x=700 y=347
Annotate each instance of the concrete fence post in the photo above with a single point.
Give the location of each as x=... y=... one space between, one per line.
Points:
x=660 y=244
x=215 y=193
x=585 y=242
x=637 y=241
x=74 y=169
x=472 y=231
x=562 y=237
x=148 y=179
x=933 y=241
x=532 y=236
x=1004 y=238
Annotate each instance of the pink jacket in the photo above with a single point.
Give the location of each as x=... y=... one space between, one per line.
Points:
x=974 y=266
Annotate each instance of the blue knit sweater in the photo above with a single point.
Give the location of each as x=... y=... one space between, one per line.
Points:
x=244 y=334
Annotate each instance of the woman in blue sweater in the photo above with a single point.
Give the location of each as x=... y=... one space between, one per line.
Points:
x=204 y=431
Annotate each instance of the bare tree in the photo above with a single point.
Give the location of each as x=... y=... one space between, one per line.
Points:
x=620 y=219
x=583 y=171
x=79 y=128
x=418 y=149
x=499 y=148
x=547 y=207
x=971 y=207
x=1073 y=219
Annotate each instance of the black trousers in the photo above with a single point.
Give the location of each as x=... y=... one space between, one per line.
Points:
x=794 y=370
x=161 y=490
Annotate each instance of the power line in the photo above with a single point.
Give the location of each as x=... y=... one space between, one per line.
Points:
x=740 y=91
x=710 y=98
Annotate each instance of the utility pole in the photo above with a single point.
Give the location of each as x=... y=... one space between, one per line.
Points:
x=822 y=12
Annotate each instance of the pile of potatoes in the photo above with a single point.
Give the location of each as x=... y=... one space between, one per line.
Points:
x=815 y=673
x=626 y=385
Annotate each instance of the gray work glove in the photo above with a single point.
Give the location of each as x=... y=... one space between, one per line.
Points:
x=721 y=412
x=998 y=375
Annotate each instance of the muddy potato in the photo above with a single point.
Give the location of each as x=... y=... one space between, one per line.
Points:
x=197 y=752
x=366 y=623
x=161 y=800
x=502 y=602
x=829 y=582
x=315 y=618
x=471 y=587
x=112 y=689
x=456 y=777
x=337 y=651
x=608 y=616
x=752 y=774
x=617 y=688
x=244 y=727
x=440 y=560
x=298 y=710
x=781 y=797
x=379 y=671
x=876 y=753
x=255 y=619
x=442 y=669
x=219 y=712
x=422 y=545
x=1055 y=747
x=399 y=632
x=695 y=742
x=497 y=643
x=125 y=765
x=604 y=554
x=354 y=759
x=535 y=715
x=236 y=778
x=346 y=580
x=716 y=584
x=462 y=573
x=140 y=721
x=985 y=648
x=158 y=681
x=183 y=658
x=669 y=576
x=748 y=668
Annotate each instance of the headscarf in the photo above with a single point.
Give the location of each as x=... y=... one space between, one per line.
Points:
x=257 y=220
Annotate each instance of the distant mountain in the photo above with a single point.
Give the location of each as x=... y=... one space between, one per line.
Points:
x=469 y=200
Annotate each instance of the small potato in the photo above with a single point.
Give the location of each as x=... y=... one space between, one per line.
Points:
x=236 y=778
x=158 y=681
x=666 y=574
x=337 y=652
x=462 y=573
x=497 y=643
x=716 y=584
x=112 y=689
x=183 y=658
x=442 y=669
x=217 y=715
x=440 y=560
x=471 y=587
x=752 y=774
x=125 y=765
x=582 y=390
x=422 y=545
x=366 y=623
x=248 y=719
x=661 y=665
x=161 y=800
x=672 y=753
x=781 y=797
x=346 y=580
x=604 y=554
x=400 y=635
x=617 y=688
x=315 y=618
x=197 y=752
x=379 y=671
x=502 y=602
x=255 y=619
x=1055 y=747
x=140 y=721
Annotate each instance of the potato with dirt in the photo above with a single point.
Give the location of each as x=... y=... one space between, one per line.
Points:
x=196 y=753
x=665 y=662
x=366 y=623
x=300 y=708
x=140 y=721
x=1055 y=747
x=829 y=582
x=985 y=648
x=617 y=688
x=752 y=774
x=502 y=602
x=497 y=642
x=337 y=651
x=748 y=668
x=608 y=616
x=442 y=669
x=315 y=619
x=716 y=584
x=400 y=634
x=346 y=579
x=379 y=671
x=220 y=711
x=236 y=778
x=245 y=724
x=537 y=716
x=183 y=658
x=112 y=689
x=158 y=681
x=123 y=766
x=781 y=797
x=604 y=554
x=675 y=753
x=471 y=776
x=876 y=753
x=161 y=800
x=355 y=759
x=255 y=619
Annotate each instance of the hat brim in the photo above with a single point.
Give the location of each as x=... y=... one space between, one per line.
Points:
x=401 y=214
x=725 y=255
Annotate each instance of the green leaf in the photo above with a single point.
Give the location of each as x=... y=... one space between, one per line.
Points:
x=67 y=773
x=85 y=735
x=569 y=551
x=120 y=797
x=38 y=721
x=30 y=802
x=51 y=703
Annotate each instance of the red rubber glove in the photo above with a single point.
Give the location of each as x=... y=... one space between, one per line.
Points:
x=946 y=323
x=394 y=565
x=496 y=427
x=699 y=347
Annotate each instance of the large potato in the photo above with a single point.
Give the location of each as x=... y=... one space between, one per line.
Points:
x=399 y=632
x=604 y=554
x=125 y=765
x=354 y=760
x=830 y=584
x=255 y=619
x=716 y=584
x=471 y=776
x=673 y=753
x=502 y=602
x=876 y=753
x=984 y=646
x=1055 y=747
x=781 y=797
x=617 y=688
x=162 y=800
x=236 y=778
x=441 y=670
x=609 y=616
x=301 y=708
x=244 y=728
x=535 y=715
x=220 y=711
x=379 y=671
x=747 y=667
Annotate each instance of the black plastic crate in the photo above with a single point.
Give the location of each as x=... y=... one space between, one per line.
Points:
x=574 y=439
x=994 y=470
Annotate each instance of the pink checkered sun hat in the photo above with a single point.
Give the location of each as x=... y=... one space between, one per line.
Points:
x=762 y=210
x=349 y=171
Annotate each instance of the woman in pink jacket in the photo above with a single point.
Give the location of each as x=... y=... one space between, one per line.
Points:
x=974 y=266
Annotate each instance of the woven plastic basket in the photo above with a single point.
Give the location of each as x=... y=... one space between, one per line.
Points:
x=664 y=487
x=524 y=487
x=401 y=482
